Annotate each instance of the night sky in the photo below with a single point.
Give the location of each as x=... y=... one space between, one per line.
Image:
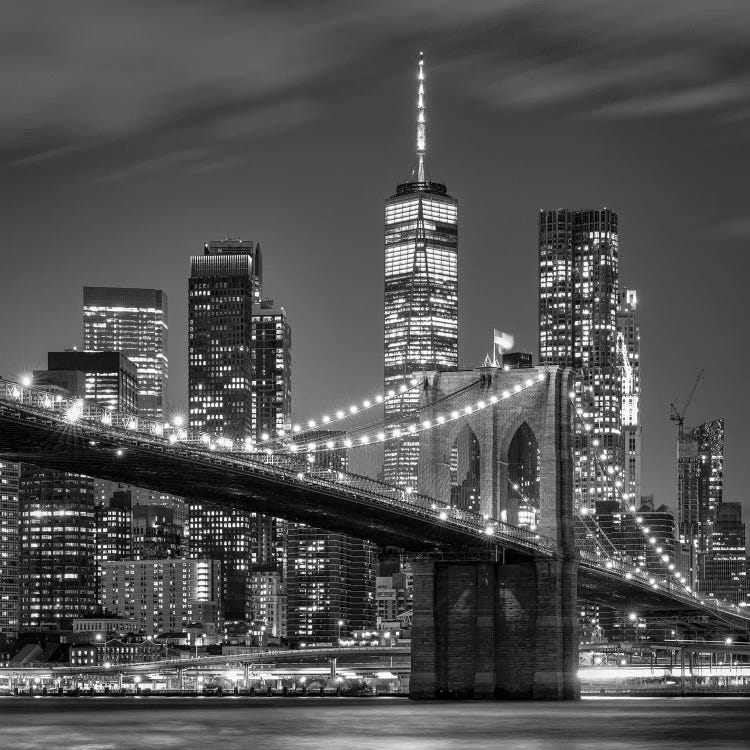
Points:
x=131 y=133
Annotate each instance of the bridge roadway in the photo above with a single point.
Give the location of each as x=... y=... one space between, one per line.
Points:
x=64 y=435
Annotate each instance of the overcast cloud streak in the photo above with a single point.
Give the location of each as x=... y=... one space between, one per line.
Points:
x=96 y=72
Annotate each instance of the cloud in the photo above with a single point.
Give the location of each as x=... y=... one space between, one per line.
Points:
x=154 y=164
x=98 y=71
x=738 y=227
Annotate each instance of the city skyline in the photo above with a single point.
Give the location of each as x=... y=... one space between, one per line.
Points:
x=663 y=215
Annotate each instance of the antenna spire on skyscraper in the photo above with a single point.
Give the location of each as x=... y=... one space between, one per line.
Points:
x=421 y=126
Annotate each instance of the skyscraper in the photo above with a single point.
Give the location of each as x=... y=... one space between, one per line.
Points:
x=629 y=350
x=57 y=550
x=58 y=518
x=421 y=291
x=111 y=379
x=272 y=370
x=225 y=283
x=330 y=577
x=578 y=303
x=134 y=322
x=725 y=570
x=700 y=483
x=9 y=547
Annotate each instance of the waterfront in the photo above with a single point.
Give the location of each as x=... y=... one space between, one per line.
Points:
x=338 y=724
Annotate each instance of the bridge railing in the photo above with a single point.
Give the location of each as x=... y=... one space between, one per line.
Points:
x=117 y=426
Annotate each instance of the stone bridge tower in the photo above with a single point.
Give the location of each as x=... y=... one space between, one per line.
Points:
x=486 y=627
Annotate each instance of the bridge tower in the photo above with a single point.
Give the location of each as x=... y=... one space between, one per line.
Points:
x=488 y=624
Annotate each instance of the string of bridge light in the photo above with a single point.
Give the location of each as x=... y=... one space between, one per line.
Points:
x=610 y=472
x=413 y=429
x=343 y=413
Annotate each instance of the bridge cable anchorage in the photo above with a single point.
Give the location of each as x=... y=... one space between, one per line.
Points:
x=610 y=472
x=117 y=432
x=415 y=428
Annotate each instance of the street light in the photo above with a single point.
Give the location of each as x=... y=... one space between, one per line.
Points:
x=341 y=625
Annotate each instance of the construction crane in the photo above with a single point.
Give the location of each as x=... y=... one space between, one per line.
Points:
x=675 y=415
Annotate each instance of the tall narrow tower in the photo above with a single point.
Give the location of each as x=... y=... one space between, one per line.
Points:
x=578 y=308
x=421 y=292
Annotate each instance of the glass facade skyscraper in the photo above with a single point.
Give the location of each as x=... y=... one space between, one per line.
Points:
x=272 y=370
x=421 y=293
x=629 y=350
x=700 y=483
x=225 y=286
x=578 y=306
x=9 y=549
x=225 y=283
x=134 y=322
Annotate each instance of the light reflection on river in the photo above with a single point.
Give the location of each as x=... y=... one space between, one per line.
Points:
x=382 y=723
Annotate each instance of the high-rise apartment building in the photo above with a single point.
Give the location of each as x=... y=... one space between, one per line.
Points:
x=134 y=322
x=700 y=483
x=162 y=595
x=578 y=305
x=9 y=549
x=225 y=283
x=629 y=350
x=421 y=293
x=272 y=370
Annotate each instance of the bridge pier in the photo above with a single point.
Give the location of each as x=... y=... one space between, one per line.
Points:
x=489 y=630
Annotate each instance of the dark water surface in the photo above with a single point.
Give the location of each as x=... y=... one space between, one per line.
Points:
x=382 y=723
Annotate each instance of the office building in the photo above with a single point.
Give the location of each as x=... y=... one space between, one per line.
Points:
x=225 y=283
x=57 y=548
x=421 y=293
x=629 y=351
x=154 y=533
x=225 y=315
x=724 y=573
x=114 y=529
x=700 y=482
x=272 y=371
x=133 y=322
x=111 y=379
x=58 y=516
x=9 y=549
x=268 y=597
x=578 y=304
x=330 y=579
x=161 y=595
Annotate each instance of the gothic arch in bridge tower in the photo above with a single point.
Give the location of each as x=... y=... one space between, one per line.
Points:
x=518 y=441
x=465 y=470
x=523 y=476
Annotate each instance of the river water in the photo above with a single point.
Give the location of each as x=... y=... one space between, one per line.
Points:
x=360 y=724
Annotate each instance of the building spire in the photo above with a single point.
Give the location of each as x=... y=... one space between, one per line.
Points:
x=421 y=126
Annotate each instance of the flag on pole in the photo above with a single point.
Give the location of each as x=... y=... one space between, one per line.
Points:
x=503 y=341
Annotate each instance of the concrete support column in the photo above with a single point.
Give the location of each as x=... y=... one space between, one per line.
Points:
x=490 y=630
x=423 y=681
x=484 y=651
